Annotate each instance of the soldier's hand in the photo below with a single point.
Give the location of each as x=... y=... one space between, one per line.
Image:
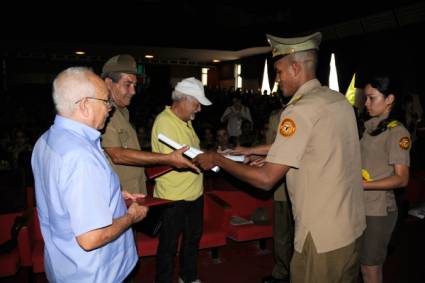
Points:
x=179 y=161
x=259 y=162
x=137 y=212
x=241 y=150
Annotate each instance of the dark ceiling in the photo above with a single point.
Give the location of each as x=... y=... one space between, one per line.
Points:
x=219 y=24
x=186 y=31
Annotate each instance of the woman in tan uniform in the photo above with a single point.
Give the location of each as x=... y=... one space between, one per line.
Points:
x=385 y=147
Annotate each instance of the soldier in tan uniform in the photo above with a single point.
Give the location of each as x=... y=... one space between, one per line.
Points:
x=385 y=147
x=120 y=139
x=317 y=147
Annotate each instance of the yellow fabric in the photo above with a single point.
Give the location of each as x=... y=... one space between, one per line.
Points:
x=392 y=124
x=366 y=175
x=176 y=185
x=351 y=91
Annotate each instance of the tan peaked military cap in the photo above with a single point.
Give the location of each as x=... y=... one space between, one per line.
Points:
x=122 y=63
x=284 y=46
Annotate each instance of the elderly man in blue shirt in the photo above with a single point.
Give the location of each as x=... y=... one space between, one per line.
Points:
x=83 y=216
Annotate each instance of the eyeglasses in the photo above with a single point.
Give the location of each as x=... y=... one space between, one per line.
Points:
x=108 y=101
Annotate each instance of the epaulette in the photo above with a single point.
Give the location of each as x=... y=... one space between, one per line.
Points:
x=392 y=124
x=293 y=101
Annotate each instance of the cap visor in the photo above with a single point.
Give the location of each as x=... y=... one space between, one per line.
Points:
x=204 y=101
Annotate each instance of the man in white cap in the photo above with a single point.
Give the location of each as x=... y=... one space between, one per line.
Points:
x=120 y=139
x=185 y=187
x=317 y=147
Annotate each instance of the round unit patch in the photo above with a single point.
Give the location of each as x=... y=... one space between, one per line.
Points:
x=404 y=143
x=287 y=127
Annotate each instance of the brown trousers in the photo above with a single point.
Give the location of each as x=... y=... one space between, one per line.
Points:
x=337 y=266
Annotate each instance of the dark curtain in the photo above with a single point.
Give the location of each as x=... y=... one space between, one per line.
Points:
x=226 y=71
x=346 y=65
x=323 y=66
x=271 y=71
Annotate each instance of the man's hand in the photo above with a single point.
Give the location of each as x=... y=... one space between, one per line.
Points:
x=206 y=160
x=259 y=162
x=241 y=150
x=179 y=161
x=137 y=212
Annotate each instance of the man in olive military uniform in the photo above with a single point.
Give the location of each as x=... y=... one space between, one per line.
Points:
x=120 y=139
x=317 y=147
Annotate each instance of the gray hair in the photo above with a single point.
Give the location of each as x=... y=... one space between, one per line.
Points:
x=70 y=86
x=177 y=95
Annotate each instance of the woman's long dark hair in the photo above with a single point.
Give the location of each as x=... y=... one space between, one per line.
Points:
x=387 y=86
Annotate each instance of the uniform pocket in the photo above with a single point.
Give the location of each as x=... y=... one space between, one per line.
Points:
x=123 y=136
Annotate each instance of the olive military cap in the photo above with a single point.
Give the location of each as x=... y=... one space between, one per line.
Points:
x=284 y=46
x=122 y=63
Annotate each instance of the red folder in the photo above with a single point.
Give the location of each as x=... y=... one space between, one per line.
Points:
x=148 y=201
x=156 y=171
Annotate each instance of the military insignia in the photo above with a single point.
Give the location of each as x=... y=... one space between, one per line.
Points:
x=287 y=127
x=404 y=143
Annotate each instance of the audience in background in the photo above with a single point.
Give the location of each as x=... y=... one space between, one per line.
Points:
x=247 y=136
x=20 y=146
x=222 y=139
x=234 y=115
x=207 y=139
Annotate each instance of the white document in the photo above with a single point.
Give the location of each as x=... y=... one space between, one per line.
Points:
x=191 y=152
x=237 y=158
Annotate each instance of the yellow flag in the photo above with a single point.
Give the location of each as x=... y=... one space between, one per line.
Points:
x=351 y=91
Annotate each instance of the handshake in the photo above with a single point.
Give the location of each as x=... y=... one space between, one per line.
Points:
x=196 y=154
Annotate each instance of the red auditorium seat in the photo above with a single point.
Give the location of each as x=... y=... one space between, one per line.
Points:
x=214 y=235
x=10 y=260
x=243 y=204
x=32 y=244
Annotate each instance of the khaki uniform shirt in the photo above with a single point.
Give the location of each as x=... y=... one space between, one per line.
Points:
x=280 y=192
x=379 y=155
x=120 y=133
x=318 y=139
x=177 y=184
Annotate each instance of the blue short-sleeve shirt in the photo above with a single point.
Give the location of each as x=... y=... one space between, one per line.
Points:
x=77 y=192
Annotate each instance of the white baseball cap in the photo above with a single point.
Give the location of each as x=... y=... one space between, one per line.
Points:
x=193 y=87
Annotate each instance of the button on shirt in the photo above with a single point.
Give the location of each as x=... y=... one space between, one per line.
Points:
x=78 y=192
x=317 y=137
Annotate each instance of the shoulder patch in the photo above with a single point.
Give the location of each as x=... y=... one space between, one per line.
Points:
x=404 y=143
x=287 y=127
